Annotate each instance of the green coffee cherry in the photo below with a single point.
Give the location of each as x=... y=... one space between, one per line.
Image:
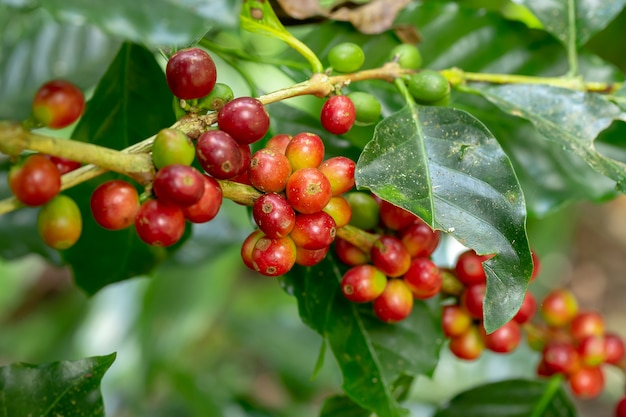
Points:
x=365 y=210
x=407 y=56
x=220 y=95
x=367 y=107
x=171 y=146
x=428 y=87
x=346 y=57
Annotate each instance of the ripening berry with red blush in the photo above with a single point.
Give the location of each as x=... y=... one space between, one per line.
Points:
x=115 y=204
x=339 y=209
x=64 y=165
x=178 y=184
x=58 y=103
x=350 y=254
x=209 y=204
x=269 y=170
x=308 y=190
x=420 y=239
x=505 y=339
x=455 y=320
x=274 y=215
x=395 y=217
x=469 y=345
x=469 y=268
x=363 y=283
x=586 y=323
x=395 y=303
x=305 y=150
x=310 y=257
x=472 y=299
x=314 y=230
x=340 y=173
x=160 y=224
x=59 y=222
x=559 y=307
x=274 y=257
x=527 y=310
x=390 y=256
x=35 y=181
x=338 y=115
x=587 y=382
x=614 y=348
x=247 y=247
x=423 y=278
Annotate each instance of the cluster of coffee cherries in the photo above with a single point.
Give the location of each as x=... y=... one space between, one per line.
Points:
x=35 y=180
x=398 y=267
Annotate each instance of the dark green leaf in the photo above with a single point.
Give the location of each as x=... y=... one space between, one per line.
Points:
x=150 y=22
x=342 y=406
x=514 y=398
x=577 y=19
x=374 y=357
x=445 y=166
x=131 y=102
x=68 y=388
x=569 y=118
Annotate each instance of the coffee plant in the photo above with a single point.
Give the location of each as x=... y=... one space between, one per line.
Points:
x=378 y=161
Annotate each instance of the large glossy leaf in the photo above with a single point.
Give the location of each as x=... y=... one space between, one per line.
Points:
x=374 y=357
x=151 y=22
x=514 y=398
x=131 y=102
x=445 y=166
x=68 y=388
x=34 y=48
x=574 y=20
x=569 y=118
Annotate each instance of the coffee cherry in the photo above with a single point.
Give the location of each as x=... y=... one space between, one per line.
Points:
x=390 y=256
x=35 y=181
x=587 y=382
x=527 y=310
x=340 y=173
x=469 y=345
x=363 y=283
x=366 y=106
x=472 y=299
x=278 y=142
x=455 y=320
x=247 y=247
x=219 y=155
x=245 y=119
x=505 y=339
x=217 y=98
x=428 y=86
x=274 y=257
x=591 y=350
x=560 y=357
x=305 y=150
x=469 y=268
x=314 y=230
x=536 y=266
x=64 y=165
x=559 y=308
x=338 y=115
x=114 y=204
x=171 y=146
x=209 y=204
x=346 y=57
x=339 y=210
x=310 y=257
x=586 y=323
x=58 y=104
x=274 y=215
x=191 y=73
x=365 y=210
x=308 y=190
x=350 y=254
x=269 y=170
x=59 y=222
x=423 y=278
x=419 y=239
x=180 y=185
x=395 y=217
x=407 y=56
x=620 y=408
x=395 y=303
x=160 y=224
x=614 y=348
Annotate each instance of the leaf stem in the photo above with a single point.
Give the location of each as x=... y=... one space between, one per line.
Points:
x=548 y=395
x=572 y=52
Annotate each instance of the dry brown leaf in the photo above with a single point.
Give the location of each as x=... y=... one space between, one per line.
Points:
x=371 y=18
x=302 y=9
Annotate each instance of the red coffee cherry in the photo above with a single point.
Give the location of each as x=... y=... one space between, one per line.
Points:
x=114 y=204
x=177 y=184
x=395 y=303
x=59 y=222
x=536 y=265
x=587 y=382
x=394 y=217
x=620 y=408
x=591 y=350
x=419 y=239
x=363 y=283
x=278 y=142
x=423 y=278
x=614 y=348
x=340 y=173
x=350 y=254
x=274 y=215
x=338 y=115
x=269 y=171
x=527 y=310
x=160 y=224
x=64 y=165
x=305 y=150
x=274 y=257
x=390 y=256
x=308 y=190
x=472 y=299
x=455 y=320
x=191 y=73
x=58 y=103
x=586 y=323
x=314 y=230
x=245 y=119
x=559 y=308
x=310 y=257
x=469 y=345
x=505 y=339
x=209 y=204
x=469 y=268
x=35 y=181
x=247 y=247
x=219 y=155
x=560 y=357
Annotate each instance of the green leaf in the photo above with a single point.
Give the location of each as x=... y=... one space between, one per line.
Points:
x=342 y=406
x=514 y=398
x=576 y=20
x=68 y=388
x=131 y=102
x=150 y=22
x=569 y=118
x=375 y=358
x=475 y=195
